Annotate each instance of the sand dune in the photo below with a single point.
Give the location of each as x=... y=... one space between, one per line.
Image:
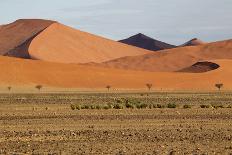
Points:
x=145 y=42
x=51 y=41
x=59 y=43
x=21 y=72
x=173 y=59
x=193 y=42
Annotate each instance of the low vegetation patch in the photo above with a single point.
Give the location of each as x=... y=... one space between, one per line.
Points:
x=186 y=106
x=205 y=106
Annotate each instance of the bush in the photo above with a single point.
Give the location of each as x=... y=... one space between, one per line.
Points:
x=141 y=106
x=159 y=106
x=106 y=107
x=98 y=107
x=217 y=106
x=172 y=105
x=118 y=106
x=187 y=106
x=78 y=107
x=204 y=106
x=85 y=107
x=129 y=105
x=73 y=107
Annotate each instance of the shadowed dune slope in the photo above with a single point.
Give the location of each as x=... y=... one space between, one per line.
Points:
x=59 y=43
x=173 y=59
x=145 y=42
x=22 y=72
x=193 y=42
x=13 y=35
x=201 y=67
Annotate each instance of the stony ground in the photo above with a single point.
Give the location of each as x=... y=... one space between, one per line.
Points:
x=34 y=124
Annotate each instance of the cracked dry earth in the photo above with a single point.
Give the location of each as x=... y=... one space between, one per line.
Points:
x=56 y=129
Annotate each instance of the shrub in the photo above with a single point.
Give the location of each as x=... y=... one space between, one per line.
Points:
x=204 y=106
x=158 y=106
x=229 y=106
x=106 y=107
x=85 y=106
x=78 y=107
x=118 y=106
x=141 y=105
x=217 y=106
x=98 y=107
x=73 y=107
x=129 y=105
x=187 y=106
x=172 y=105
x=92 y=107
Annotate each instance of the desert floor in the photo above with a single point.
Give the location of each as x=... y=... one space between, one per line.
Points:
x=45 y=123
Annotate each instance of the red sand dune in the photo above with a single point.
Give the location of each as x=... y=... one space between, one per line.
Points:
x=51 y=41
x=173 y=59
x=22 y=72
x=145 y=42
x=193 y=42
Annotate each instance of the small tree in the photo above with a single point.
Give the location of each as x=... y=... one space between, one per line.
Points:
x=149 y=86
x=108 y=87
x=9 y=88
x=219 y=86
x=39 y=87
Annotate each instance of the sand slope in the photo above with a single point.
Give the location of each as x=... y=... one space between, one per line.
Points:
x=145 y=42
x=20 y=72
x=173 y=59
x=59 y=43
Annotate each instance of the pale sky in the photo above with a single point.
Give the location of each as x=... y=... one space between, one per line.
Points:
x=171 y=21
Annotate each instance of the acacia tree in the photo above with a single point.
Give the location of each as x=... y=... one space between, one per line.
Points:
x=39 y=87
x=9 y=88
x=219 y=86
x=108 y=87
x=149 y=86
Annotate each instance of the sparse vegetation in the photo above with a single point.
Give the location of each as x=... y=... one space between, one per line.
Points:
x=186 y=106
x=205 y=106
x=172 y=105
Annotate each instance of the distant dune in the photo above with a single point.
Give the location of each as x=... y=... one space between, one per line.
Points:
x=193 y=42
x=145 y=42
x=173 y=59
x=21 y=72
x=51 y=41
